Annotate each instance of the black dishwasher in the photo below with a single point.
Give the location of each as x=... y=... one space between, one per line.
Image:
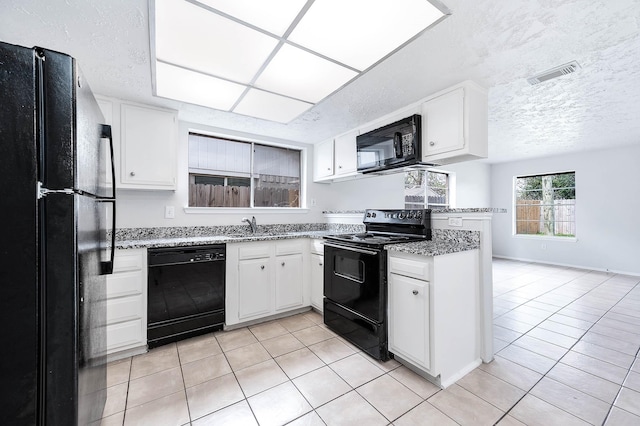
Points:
x=185 y=292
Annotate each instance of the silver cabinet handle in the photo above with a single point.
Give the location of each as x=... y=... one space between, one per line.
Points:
x=415 y=292
x=328 y=168
x=432 y=143
x=132 y=173
x=339 y=167
x=282 y=263
x=261 y=266
x=320 y=263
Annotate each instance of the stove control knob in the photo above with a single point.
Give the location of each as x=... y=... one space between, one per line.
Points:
x=373 y=214
x=368 y=214
x=401 y=215
x=410 y=215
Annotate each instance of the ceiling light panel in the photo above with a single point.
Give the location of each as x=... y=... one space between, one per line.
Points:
x=196 y=88
x=302 y=75
x=359 y=33
x=269 y=106
x=274 y=16
x=195 y=38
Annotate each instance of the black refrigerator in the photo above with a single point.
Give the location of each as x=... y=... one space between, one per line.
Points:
x=58 y=207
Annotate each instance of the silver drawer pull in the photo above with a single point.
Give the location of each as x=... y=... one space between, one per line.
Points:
x=261 y=266
x=282 y=263
x=415 y=292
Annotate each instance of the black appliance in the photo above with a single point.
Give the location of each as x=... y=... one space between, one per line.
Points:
x=56 y=208
x=395 y=145
x=185 y=292
x=355 y=276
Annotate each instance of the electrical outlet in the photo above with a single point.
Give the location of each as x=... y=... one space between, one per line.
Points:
x=455 y=221
x=169 y=212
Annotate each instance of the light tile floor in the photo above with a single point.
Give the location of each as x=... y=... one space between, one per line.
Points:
x=566 y=343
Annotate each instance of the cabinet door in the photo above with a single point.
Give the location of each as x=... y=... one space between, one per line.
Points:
x=317 y=280
x=443 y=123
x=345 y=153
x=323 y=159
x=409 y=319
x=254 y=288
x=289 y=281
x=148 y=138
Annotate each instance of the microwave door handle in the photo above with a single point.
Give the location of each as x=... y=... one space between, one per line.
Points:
x=397 y=144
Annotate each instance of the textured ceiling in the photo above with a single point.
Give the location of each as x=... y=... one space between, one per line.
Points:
x=497 y=43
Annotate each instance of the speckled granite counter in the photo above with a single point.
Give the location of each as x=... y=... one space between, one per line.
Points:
x=444 y=241
x=215 y=239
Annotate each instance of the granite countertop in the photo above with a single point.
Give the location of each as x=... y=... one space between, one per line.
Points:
x=443 y=241
x=433 y=248
x=216 y=239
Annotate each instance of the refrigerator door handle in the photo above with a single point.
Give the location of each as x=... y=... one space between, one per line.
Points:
x=106 y=134
x=106 y=267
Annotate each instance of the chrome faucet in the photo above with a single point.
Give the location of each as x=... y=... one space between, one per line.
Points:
x=252 y=223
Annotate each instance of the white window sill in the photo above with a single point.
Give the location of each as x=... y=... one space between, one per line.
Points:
x=546 y=238
x=245 y=210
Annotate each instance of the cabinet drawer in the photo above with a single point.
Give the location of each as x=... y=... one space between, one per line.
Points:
x=128 y=333
x=289 y=247
x=409 y=268
x=254 y=251
x=124 y=262
x=124 y=309
x=125 y=284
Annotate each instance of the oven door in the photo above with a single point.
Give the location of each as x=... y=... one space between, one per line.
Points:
x=355 y=277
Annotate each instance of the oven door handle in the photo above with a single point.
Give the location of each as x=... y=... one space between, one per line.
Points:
x=349 y=248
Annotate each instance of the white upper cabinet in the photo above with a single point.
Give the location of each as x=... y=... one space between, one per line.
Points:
x=148 y=148
x=345 y=159
x=454 y=125
x=144 y=144
x=336 y=157
x=323 y=160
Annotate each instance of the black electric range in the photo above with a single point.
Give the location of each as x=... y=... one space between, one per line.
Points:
x=355 y=275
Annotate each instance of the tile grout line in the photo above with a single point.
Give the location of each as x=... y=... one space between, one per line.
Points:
x=569 y=350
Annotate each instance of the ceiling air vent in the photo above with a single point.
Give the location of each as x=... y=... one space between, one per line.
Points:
x=569 y=68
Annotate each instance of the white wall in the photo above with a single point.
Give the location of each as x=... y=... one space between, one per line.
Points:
x=607 y=207
x=472 y=187
x=146 y=208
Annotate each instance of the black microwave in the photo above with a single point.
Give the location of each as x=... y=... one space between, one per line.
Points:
x=394 y=145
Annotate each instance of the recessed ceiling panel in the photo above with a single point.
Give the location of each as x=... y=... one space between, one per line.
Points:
x=195 y=38
x=302 y=75
x=358 y=33
x=274 y=16
x=257 y=103
x=188 y=86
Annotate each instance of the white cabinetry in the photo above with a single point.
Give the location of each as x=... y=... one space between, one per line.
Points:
x=145 y=141
x=454 y=125
x=148 y=147
x=317 y=274
x=127 y=303
x=264 y=278
x=323 y=160
x=336 y=157
x=409 y=325
x=434 y=313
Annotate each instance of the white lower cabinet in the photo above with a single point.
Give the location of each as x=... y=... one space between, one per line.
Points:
x=409 y=325
x=289 y=281
x=434 y=313
x=317 y=280
x=127 y=302
x=264 y=278
x=316 y=271
x=254 y=287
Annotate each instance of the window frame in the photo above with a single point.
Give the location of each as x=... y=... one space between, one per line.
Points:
x=450 y=190
x=303 y=150
x=542 y=237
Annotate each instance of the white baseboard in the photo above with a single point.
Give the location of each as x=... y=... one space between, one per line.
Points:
x=590 y=268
